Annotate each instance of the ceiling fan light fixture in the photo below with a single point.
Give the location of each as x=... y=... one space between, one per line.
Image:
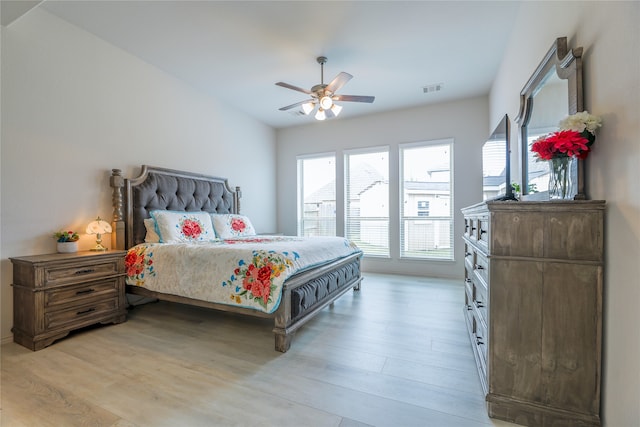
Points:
x=308 y=107
x=326 y=102
x=323 y=95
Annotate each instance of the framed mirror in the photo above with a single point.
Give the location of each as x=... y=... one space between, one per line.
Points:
x=553 y=91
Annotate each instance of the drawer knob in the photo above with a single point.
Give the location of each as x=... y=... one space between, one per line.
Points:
x=85 y=291
x=479 y=267
x=85 y=271
x=483 y=231
x=467 y=280
x=89 y=310
x=479 y=304
x=479 y=341
x=467 y=253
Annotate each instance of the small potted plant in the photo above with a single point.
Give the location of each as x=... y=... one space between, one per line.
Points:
x=67 y=241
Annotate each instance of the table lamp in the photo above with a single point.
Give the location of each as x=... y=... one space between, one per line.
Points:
x=98 y=227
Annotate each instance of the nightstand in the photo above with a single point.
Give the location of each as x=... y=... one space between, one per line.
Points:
x=56 y=293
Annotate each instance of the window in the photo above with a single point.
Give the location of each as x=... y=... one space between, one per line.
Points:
x=317 y=195
x=367 y=200
x=426 y=192
x=423 y=208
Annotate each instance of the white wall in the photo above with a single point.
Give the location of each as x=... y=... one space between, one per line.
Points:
x=465 y=121
x=73 y=107
x=609 y=33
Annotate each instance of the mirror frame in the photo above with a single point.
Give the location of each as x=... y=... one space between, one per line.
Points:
x=567 y=64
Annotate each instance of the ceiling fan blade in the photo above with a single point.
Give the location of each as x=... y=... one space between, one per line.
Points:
x=339 y=81
x=288 y=86
x=354 y=98
x=297 y=104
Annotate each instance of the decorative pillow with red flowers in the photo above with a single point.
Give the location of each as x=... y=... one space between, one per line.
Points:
x=174 y=226
x=228 y=226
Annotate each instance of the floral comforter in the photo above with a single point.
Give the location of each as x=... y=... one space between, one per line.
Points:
x=246 y=272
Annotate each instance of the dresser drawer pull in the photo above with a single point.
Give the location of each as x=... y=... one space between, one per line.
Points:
x=479 y=341
x=479 y=267
x=483 y=231
x=479 y=304
x=89 y=310
x=85 y=291
x=85 y=271
x=467 y=253
x=473 y=228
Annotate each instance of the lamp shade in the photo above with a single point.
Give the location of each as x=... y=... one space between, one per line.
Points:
x=308 y=107
x=99 y=227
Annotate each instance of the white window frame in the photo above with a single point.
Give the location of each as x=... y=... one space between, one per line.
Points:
x=434 y=219
x=369 y=150
x=300 y=189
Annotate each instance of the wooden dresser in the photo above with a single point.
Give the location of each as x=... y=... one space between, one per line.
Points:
x=533 y=307
x=57 y=293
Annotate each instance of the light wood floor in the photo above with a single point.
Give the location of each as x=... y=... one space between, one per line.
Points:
x=394 y=354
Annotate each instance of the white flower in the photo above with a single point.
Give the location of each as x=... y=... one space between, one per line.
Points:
x=580 y=122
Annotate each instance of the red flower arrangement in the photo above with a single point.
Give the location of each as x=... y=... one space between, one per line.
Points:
x=574 y=139
x=564 y=143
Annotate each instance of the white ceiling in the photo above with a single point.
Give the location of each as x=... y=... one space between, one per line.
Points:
x=237 y=50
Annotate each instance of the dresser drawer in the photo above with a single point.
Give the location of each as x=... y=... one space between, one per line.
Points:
x=79 y=272
x=80 y=294
x=469 y=254
x=483 y=230
x=480 y=300
x=481 y=267
x=77 y=315
x=480 y=334
x=467 y=226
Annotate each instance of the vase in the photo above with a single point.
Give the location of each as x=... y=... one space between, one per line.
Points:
x=560 y=180
x=67 y=247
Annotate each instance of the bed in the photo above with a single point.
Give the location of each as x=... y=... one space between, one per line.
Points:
x=297 y=291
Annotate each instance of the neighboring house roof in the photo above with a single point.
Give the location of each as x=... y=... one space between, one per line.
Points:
x=371 y=177
x=368 y=176
x=427 y=186
x=493 y=181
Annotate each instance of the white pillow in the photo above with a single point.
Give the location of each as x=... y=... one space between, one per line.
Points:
x=228 y=226
x=175 y=226
x=152 y=234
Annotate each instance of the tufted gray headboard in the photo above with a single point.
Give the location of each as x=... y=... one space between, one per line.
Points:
x=164 y=189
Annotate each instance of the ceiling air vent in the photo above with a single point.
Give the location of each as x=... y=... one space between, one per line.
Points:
x=433 y=88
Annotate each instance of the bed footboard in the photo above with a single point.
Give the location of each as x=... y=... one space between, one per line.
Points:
x=306 y=294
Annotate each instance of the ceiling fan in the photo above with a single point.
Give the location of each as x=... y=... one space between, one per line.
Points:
x=323 y=95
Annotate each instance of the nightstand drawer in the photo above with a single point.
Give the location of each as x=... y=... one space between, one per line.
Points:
x=79 y=294
x=76 y=315
x=63 y=274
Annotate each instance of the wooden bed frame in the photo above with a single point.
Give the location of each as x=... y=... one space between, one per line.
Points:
x=303 y=294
